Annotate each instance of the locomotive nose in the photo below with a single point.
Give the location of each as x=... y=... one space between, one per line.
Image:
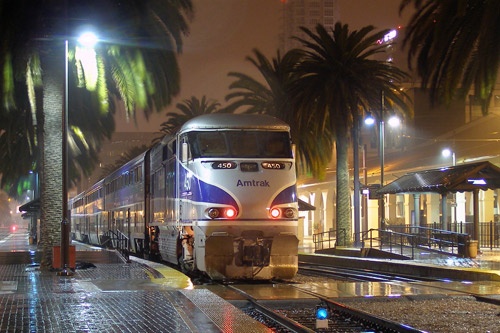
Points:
x=240 y=257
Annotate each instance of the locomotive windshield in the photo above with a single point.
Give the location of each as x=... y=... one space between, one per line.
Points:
x=240 y=144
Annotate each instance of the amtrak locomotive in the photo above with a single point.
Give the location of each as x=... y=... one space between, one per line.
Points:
x=218 y=197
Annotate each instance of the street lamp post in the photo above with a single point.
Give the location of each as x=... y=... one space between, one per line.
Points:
x=357 y=219
x=381 y=203
x=393 y=122
x=87 y=40
x=444 y=206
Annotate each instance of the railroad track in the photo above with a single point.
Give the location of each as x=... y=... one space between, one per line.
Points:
x=300 y=315
x=355 y=275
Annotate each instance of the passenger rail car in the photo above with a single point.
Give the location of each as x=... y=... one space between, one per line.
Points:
x=218 y=197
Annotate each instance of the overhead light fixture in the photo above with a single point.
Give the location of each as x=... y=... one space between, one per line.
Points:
x=477 y=181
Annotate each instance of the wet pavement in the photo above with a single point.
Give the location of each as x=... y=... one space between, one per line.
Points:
x=112 y=297
x=105 y=294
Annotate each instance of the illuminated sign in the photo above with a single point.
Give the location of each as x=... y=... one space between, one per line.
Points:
x=224 y=165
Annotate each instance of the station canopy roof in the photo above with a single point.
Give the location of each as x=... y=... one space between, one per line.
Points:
x=30 y=207
x=303 y=206
x=460 y=178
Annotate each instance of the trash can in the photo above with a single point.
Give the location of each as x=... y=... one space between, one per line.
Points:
x=472 y=248
x=463 y=241
x=57 y=260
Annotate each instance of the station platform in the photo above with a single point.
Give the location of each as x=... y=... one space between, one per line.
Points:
x=106 y=294
x=487 y=260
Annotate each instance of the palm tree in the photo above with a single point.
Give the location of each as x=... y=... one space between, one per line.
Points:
x=17 y=150
x=186 y=110
x=456 y=45
x=274 y=97
x=135 y=64
x=337 y=82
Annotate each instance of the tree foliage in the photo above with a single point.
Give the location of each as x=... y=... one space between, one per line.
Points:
x=186 y=110
x=455 y=46
x=275 y=97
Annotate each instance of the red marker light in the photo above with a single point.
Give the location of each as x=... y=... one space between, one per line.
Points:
x=230 y=212
x=275 y=212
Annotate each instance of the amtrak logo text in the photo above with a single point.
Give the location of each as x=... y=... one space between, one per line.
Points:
x=253 y=183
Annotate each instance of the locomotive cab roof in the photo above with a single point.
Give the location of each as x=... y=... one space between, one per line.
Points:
x=234 y=121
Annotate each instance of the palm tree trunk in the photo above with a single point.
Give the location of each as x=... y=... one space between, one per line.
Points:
x=50 y=133
x=343 y=223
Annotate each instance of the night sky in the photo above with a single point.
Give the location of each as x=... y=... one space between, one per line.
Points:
x=224 y=32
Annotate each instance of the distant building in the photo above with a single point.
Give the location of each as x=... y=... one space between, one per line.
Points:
x=306 y=13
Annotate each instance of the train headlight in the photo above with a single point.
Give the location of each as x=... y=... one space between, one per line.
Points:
x=289 y=213
x=275 y=212
x=213 y=213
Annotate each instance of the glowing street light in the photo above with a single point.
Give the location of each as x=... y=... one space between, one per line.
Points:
x=88 y=40
x=447 y=152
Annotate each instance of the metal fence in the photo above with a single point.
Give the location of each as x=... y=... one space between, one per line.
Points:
x=328 y=239
x=489 y=236
x=489 y=232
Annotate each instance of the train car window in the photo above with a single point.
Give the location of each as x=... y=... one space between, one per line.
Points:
x=243 y=144
x=165 y=152
x=208 y=144
x=169 y=150
x=276 y=144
